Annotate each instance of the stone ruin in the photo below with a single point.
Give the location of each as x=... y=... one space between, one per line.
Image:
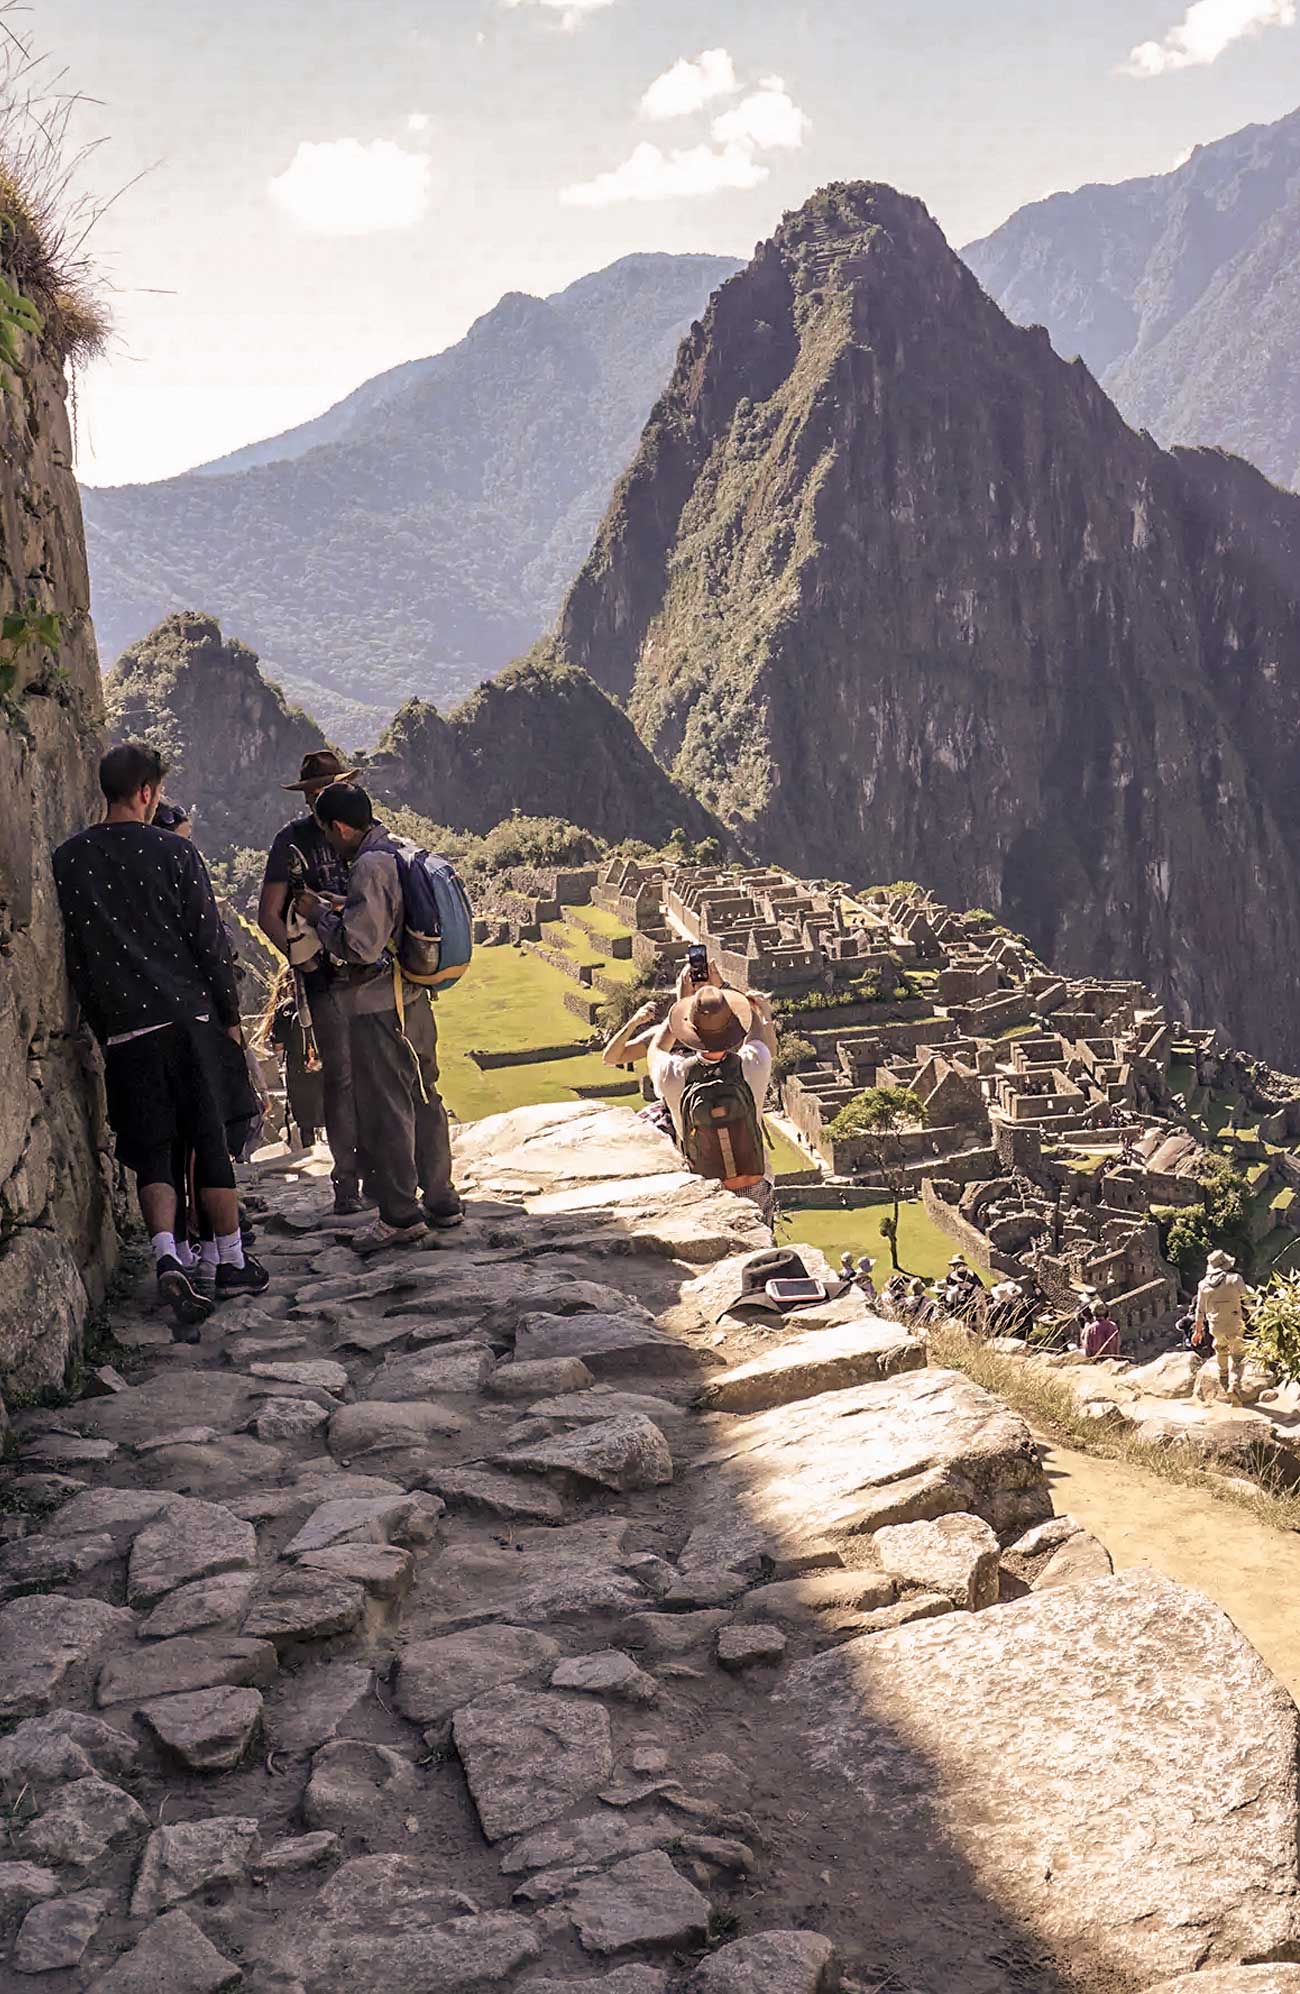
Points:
x=1048 y=1135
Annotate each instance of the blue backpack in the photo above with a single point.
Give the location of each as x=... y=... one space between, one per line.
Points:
x=438 y=920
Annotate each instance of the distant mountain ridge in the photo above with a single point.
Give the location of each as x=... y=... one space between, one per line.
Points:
x=1180 y=291
x=418 y=536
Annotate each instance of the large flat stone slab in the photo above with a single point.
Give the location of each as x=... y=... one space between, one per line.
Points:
x=546 y=1575
x=190 y=1540
x=437 y=1677
x=623 y=1454
x=172 y=1954
x=442 y=1367
x=529 y=1756
x=179 y=1667
x=609 y=1345
x=822 y=1360
x=1108 y=1769
x=904 y=1450
x=48 y=1644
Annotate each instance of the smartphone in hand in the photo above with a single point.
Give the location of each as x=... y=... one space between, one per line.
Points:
x=697 y=962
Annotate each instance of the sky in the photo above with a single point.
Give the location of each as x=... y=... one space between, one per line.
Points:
x=298 y=194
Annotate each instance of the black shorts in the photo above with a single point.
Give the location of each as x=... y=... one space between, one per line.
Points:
x=182 y=1088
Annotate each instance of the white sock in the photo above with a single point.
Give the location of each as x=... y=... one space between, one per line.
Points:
x=208 y=1252
x=185 y=1253
x=164 y=1245
x=230 y=1248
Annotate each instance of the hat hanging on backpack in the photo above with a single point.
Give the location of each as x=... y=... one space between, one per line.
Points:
x=712 y=1020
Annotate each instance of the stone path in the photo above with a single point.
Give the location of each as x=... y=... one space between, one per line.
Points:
x=510 y=1615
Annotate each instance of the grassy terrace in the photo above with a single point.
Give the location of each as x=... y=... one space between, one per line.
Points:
x=922 y=1248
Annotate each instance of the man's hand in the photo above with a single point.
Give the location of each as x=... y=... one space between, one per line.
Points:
x=645 y=1016
x=310 y=906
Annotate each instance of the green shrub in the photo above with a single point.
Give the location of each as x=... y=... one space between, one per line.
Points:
x=538 y=841
x=1275 y=1321
x=791 y=1052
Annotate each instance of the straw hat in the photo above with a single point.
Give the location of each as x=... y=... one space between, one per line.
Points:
x=1220 y=1262
x=712 y=1020
x=320 y=767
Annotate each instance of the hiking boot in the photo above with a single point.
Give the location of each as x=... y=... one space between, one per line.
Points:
x=445 y=1213
x=234 y=1282
x=373 y=1238
x=187 y=1305
x=348 y=1204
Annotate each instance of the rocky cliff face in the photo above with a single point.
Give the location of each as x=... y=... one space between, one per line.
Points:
x=540 y=739
x=896 y=591
x=57 y=1242
x=1181 y=291
x=230 y=737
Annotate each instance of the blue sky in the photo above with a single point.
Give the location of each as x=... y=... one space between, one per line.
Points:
x=329 y=189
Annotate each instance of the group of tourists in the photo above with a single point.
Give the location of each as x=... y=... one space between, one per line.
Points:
x=154 y=971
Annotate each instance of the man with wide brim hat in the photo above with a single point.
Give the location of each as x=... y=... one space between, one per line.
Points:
x=706 y=1025
x=319 y=769
x=324 y=872
x=712 y=1020
x=1220 y=1306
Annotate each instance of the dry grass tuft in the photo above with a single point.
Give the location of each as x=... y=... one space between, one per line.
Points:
x=44 y=222
x=1052 y=1409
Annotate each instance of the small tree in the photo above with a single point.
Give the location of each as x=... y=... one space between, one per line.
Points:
x=792 y=1051
x=1275 y=1322
x=878 y=1117
x=1222 y=1221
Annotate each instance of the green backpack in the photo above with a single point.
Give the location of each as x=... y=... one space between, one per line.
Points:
x=722 y=1132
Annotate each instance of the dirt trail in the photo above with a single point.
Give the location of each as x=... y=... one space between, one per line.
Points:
x=1253 y=1572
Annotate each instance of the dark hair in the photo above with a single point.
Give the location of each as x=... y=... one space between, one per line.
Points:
x=129 y=768
x=170 y=816
x=345 y=803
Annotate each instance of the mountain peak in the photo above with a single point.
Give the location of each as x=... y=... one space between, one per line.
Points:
x=898 y=593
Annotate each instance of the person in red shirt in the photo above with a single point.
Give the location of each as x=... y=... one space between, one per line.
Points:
x=1101 y=1337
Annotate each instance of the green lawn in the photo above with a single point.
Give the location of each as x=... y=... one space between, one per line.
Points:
x=471 y=1094
x=786 y=1155
x=603 y=922
x=507 y=1000
x=922 y=1248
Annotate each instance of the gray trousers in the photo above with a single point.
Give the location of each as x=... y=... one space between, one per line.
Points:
x=330 y=1018
x=403 y=1132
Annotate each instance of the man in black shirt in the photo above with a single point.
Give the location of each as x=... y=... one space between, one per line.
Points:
x=326 y=873
x=151 y=965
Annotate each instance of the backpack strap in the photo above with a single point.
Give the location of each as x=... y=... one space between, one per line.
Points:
x=399 y=1002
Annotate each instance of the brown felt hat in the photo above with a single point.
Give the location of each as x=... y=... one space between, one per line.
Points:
x=712 y=1020
x=321 y=766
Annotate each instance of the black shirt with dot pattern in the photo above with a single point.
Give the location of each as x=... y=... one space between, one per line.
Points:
x=145 y=942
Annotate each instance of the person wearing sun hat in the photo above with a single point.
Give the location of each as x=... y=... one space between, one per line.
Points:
x=706 y=1027
x=324 y=872
x=1220 y=1305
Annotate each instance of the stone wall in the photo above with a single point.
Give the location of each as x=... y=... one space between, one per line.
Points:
x=57 y=1240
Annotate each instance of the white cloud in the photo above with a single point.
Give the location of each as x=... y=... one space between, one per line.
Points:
x=768 y=119
x=572 y=13
x=345 y=187
x=651 y=174
x=419 y=121
x=690 y=84
x=1205 y=31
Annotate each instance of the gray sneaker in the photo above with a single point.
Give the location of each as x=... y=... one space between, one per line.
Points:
x=373 y=1238
x=203 y=1279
